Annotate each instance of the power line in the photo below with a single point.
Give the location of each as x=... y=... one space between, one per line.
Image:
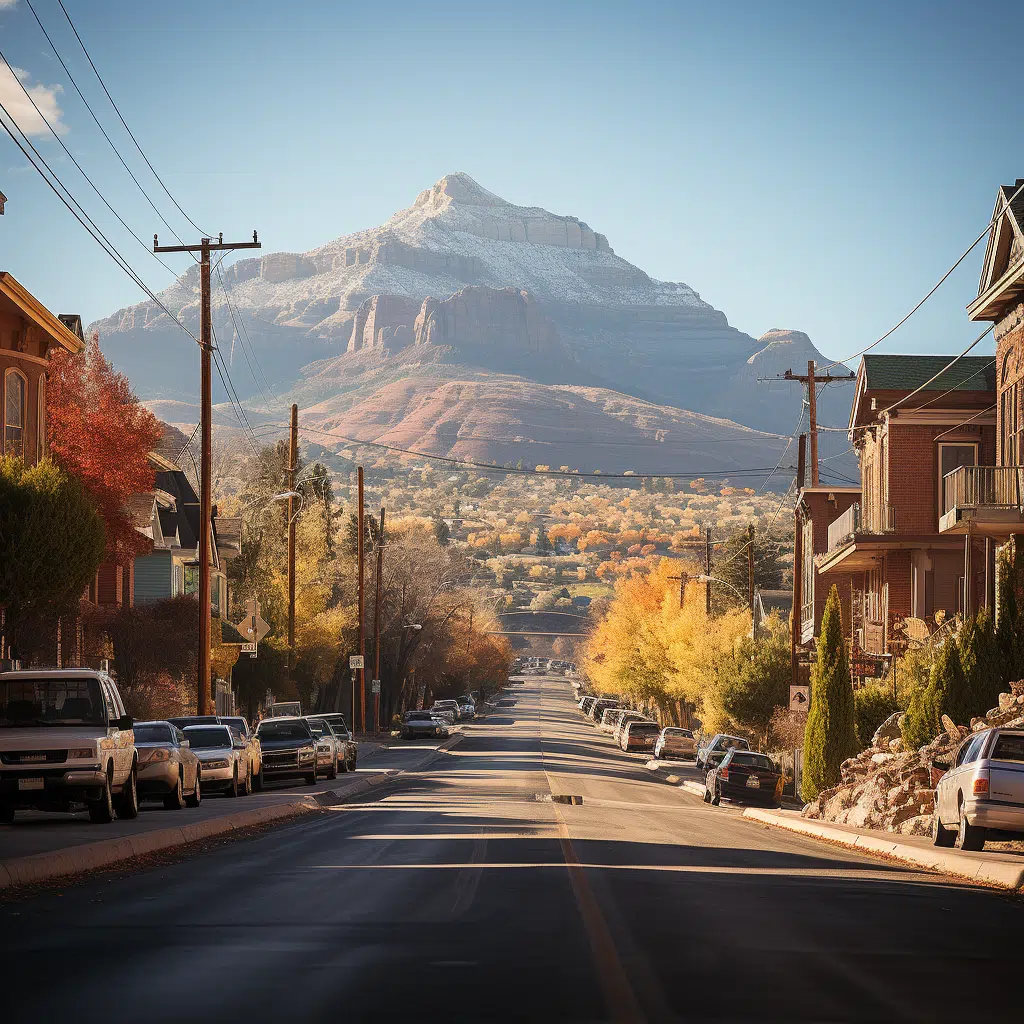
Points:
x=81 y=170
x=80 y=215
x=88 y=107
x=469 y=464
x=240 y=330
x=988 y=227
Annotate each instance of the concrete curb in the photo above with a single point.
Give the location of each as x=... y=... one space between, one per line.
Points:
x=950 y=862
x=41 y=867
x=692 y=787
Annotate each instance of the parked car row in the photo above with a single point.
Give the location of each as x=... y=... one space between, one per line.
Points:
x=66 y=741
x=731 y=769
x=434 y=722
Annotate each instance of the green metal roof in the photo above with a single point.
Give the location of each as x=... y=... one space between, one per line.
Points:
x=905 y=373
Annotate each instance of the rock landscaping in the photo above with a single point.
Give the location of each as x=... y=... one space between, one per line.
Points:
x=885 y=787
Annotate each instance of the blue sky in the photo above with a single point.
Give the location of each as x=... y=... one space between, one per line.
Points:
x=814 y=166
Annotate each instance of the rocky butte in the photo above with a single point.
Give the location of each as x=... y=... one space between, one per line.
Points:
x=510 y=301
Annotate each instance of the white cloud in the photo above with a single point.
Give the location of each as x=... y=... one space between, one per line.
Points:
x=7 y=3
x=20 y=108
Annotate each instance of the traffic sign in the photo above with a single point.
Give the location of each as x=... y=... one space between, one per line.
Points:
x=249 y=648
x=355 y=661
x=799 y=697
x=253 y=626
x=375 y=686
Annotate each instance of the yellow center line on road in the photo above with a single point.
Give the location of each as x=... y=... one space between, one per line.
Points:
x=620 y=999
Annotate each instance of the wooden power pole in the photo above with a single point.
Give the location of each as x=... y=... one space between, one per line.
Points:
x=750 y=570
x=293 y=465
x=204 y=248
x=376 y=621
x=362 y=625
x=810 y=380
x=707 y=570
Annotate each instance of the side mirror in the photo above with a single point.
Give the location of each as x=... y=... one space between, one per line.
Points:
x=184 y=744
x=124 y=722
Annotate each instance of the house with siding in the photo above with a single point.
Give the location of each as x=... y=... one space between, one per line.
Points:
x=915 y=421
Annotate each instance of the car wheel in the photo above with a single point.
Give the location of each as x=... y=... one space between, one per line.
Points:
x=343 y=765
x=257 y=780
x=197 y=794
x=968 y=836
x=311 y=779
x=707 y=793
x=175 y=800
x=128 y=802
x=332 y=772
x=941 y=836
x=6 y=814
x=247 y=788
x=350 y=766
x=232 y=790
x=101 y=811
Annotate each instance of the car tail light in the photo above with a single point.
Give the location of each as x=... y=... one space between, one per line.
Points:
x=981 y=785
x=723 y=774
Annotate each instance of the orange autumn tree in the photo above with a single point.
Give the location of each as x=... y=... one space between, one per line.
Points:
x=101 y=434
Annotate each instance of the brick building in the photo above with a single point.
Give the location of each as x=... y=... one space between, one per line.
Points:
x=915 y=420
x=987 y=499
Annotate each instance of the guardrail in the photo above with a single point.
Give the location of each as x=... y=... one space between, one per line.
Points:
x=974 y=486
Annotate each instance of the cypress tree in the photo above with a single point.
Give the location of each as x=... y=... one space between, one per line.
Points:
x=945 y=694
x=830 y=736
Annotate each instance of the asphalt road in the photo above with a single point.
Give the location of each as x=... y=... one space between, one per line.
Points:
x=466 y=893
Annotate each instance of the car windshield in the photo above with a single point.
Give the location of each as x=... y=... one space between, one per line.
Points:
x=276 y=730
x=417 y=716
x=33 y=702
x=636 y=727
x=184 y=723
x=680 y=733
x=237 y=723
x=754 y=760
x=316 y=728
x=153 y=734
x=203 y=736
x=1009 y=747
x=731 y=743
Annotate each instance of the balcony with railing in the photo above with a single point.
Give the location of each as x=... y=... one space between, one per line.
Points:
x=988 y=500
x=855 y=537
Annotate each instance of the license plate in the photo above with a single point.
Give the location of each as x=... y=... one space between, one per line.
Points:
x=754 y=782
x=31 y=784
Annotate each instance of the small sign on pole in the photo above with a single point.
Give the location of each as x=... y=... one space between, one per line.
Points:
x=374 y=686
x=248 y=648
x=799 y=697
x=355 y=661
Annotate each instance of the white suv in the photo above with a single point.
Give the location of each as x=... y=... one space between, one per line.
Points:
x=64 y=739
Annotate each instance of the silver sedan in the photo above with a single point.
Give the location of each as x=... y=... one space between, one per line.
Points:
x=223 y=758
x=168 y=769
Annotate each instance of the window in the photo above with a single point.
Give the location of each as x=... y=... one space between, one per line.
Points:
x=14 y=413
x=951 y=457
x=41 y=418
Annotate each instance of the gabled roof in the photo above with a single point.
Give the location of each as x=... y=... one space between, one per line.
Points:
x=1002 y=273
x=907 y=373
x=35 y=311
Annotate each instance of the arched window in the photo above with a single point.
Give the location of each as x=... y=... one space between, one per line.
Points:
x=41 y=418
x=15 y=387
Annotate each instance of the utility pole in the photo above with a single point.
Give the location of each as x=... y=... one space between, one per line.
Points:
x=750 y=571
x=362 y=626
x=293 y=465
x=376 y=621
x=204 y=248
x=682 y=577
x=809 y=381
x=707 y=570
x=801 y=462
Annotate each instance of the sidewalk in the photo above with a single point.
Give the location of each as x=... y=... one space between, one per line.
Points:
x=1002 y=869
x=50 y=846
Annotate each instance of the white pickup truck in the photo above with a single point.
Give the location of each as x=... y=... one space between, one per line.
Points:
x=65 y=740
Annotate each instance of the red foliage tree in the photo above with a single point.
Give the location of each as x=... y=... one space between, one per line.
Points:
x=100 y=433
